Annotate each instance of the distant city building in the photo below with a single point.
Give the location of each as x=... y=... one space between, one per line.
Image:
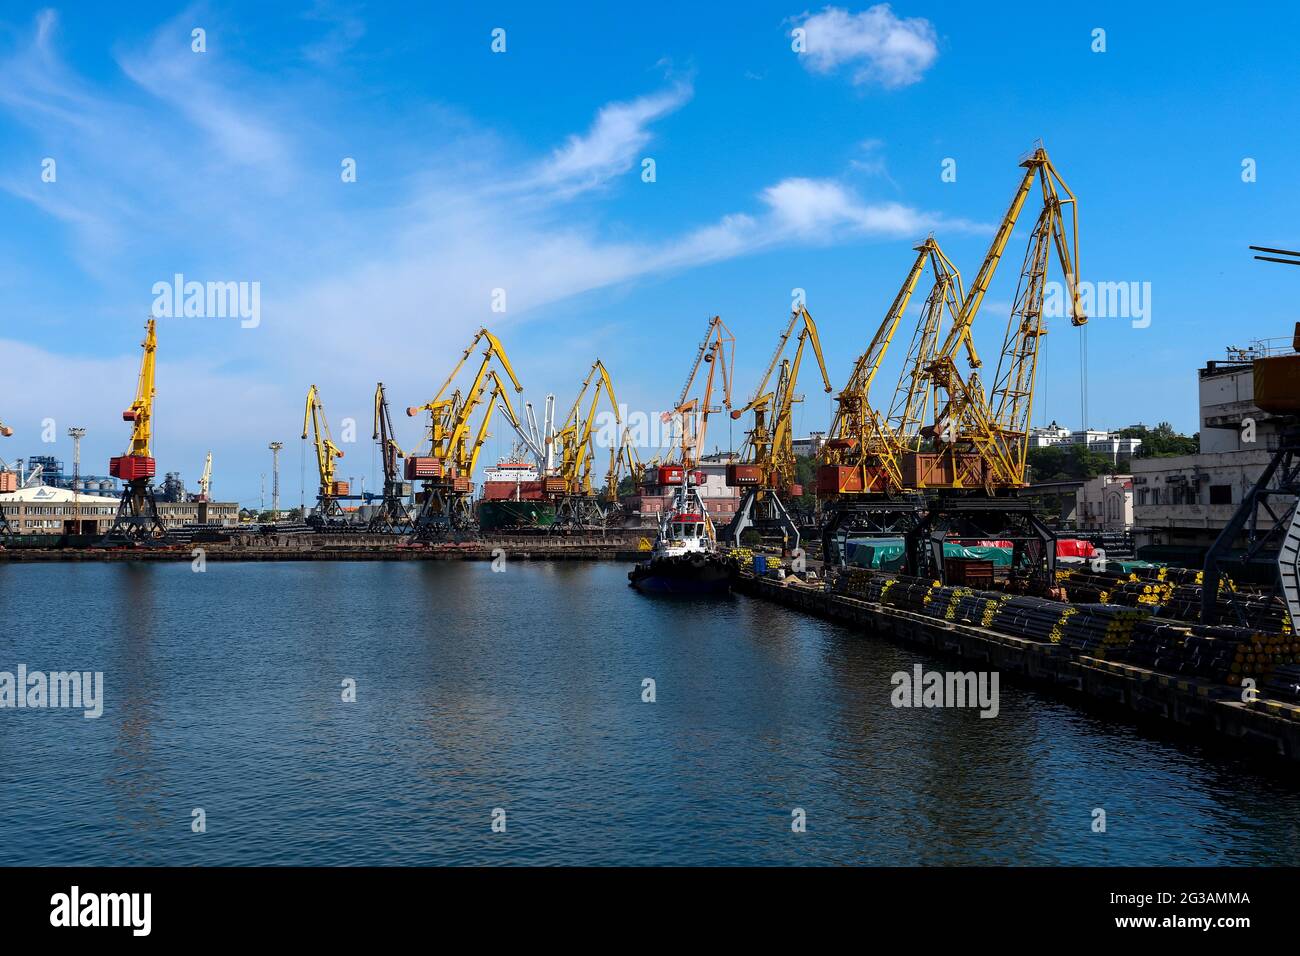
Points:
x=1105 y=503
x=1108 y=443
x=810 y=446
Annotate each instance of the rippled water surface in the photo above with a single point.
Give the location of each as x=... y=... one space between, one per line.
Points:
x=522 y=690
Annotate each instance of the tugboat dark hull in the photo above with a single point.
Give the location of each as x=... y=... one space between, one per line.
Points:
x=684 y=574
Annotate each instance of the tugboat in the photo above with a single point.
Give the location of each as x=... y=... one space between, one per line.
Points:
x=685 y=558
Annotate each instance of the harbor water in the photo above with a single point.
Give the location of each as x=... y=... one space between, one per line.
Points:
x=518 y=696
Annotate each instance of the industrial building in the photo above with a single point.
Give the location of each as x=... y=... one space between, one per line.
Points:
x=1185 y=501
x=645 y=508
x=45 y=509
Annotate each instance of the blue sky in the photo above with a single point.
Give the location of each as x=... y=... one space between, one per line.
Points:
x=521 y=171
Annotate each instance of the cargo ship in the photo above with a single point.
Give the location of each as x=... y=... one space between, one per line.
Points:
x=514 y=497
x=685 y=558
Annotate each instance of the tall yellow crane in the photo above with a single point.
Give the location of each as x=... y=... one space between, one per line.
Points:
x=859 y=476
x=978 y=443
x=393 y=515
x=576 y=503
x=446 y=471
x=205 y=479
x=860 y=452
x=767 y=473
x=328 y=510
x=137 y=521
x=982 y=443
x=622 y=457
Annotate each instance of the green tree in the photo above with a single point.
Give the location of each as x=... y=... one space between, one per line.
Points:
x=1162 y=441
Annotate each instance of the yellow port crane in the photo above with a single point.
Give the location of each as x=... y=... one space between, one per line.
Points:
x=859 y=475
x=983 y=443
x=205 y=479
x=623 y=456
x=8 y=483
x=767 y=470
x=446 y=471
x=499 y=398
x=137 y=521
x=860 y=455
x=393 y=515
x=328 y=510
x=576 y=503
x=978 y=445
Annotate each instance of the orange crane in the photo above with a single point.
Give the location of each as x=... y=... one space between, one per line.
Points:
x=137 y=521
x=718 y=352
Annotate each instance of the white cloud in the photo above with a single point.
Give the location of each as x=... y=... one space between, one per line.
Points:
x=880 y=47
x=350 y=291
x=810 y=208
x=613 y=143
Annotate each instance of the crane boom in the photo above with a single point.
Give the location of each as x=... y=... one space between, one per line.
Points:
x=205 y=479
x=141 y=411
x=996 y=428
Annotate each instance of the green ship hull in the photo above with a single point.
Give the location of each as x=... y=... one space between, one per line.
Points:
x=493 y=515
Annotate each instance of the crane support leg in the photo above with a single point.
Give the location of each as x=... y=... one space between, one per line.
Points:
x=137 y=521
x=1033 y=544
x=579 y=513
x=873 y=518
x=393 y=517
x=1272 y=498
x=444 y=515
x=764 y=511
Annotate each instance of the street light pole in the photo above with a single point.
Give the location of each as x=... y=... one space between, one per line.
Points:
x=76 y=434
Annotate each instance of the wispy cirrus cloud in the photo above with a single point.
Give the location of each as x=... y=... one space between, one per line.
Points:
x=613 y=143
x=199 y=163
x=878 y=46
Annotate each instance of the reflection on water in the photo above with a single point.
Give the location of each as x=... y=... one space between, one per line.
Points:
x=522 y=690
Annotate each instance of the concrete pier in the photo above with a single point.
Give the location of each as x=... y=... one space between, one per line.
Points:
x=1211 y=712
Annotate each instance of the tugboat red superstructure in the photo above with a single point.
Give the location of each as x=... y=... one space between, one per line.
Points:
x=685 y=558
